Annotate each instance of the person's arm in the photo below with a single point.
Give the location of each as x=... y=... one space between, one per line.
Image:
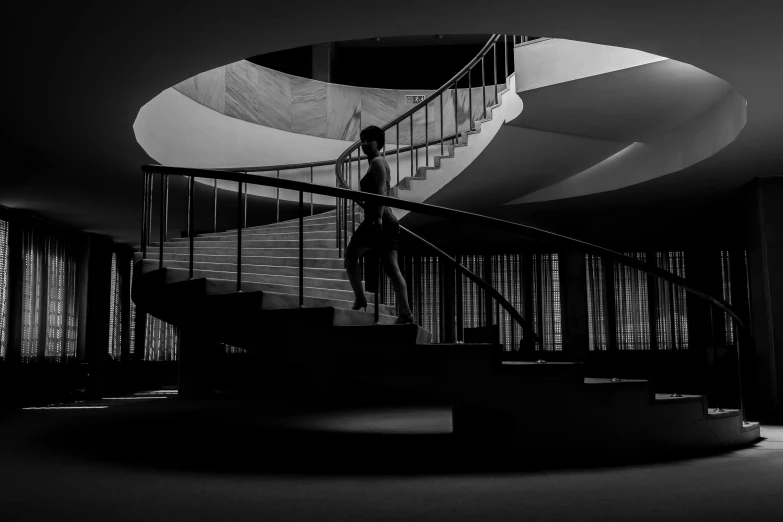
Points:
x=379 y=176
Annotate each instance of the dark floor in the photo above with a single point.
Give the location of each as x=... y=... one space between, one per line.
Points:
x=164 y=459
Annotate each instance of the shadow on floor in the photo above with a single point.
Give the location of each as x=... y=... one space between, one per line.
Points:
x=297 y=438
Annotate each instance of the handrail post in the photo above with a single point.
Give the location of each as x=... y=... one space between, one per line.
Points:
x=164 y=210
x=239 y=237
x=148 y=235
x=470 y=101
x=495 y=64
x=311 y=194
x=398 y=154
x=483 y=88
x=191 y=214
x=278 y=199
x=426 y=135
x=411 y=151
x=143 y=238
x=214 y=218
x=505 y=61
x=456 y=117
x=739 y=371
x=441 y=123
x=301 y=249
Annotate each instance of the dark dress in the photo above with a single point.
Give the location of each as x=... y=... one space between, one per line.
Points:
x=378 y=238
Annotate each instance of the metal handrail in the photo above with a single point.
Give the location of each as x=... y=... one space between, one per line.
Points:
x=465 y=70
x=527 y=231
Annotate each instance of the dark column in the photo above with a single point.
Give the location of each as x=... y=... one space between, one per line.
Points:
x=97 y=314
x=765 y=257
x=323 y=61
x=576 y=342
x=195 y=363
x=124 y=273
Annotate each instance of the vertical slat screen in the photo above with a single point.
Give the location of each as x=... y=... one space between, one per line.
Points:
x=115 y=312
x=132 y=316
x=671 y=309
x=596 y=314
x=547 y=288
x=234 y=350
x=725 y=271
x=507 y=280
x=3 y=287
x=49 y=322
x=631 y=304
x=160 y=340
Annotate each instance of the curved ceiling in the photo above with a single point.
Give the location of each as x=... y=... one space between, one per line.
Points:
x=81 y=75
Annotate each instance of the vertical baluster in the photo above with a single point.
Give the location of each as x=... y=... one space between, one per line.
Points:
x=441 y=123
x=426 y=135
x=470 y=100
x=411 y=153
x=239 y=236
x=244 y=219
x=301 y=249
x=398 y=155
x=143 y=238
x=483 y=88
x=739 y=368
x=337 y=216
x=505 y=61
x=164 y=211
x=214 y=218
x=495 y=65
x=277 y=219
x=456 y=117
x=191 y=214
x=149 y=209
x=311 y=194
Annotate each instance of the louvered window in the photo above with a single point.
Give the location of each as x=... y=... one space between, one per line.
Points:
x=115 y=312
x=3 y=287
x=507 y=280
x=596 y=312
x=132 y=316
x=546 y=292
x=161 y=340
x=631 y=306
x=49 y=304
x=671 y=310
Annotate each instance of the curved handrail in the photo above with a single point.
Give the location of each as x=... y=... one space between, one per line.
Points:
x=484 y=50
x=448 y=213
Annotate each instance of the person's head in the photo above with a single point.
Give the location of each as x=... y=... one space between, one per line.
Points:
x=368 y=136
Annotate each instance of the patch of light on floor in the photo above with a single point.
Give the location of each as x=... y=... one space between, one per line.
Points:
x=65 y=408
x=157 y=392
x=131 y=398
x=400 y=421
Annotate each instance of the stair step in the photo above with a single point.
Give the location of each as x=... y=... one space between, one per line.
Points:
x=263 y=235
x=271 y=270
x=229 y=243
x=270 y=252
x=252 y=259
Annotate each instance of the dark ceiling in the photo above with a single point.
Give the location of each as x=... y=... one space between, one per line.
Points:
x=79 y=73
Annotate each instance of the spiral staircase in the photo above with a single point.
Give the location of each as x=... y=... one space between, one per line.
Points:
x=525 y=402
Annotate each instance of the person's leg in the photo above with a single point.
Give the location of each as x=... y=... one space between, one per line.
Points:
x=392 y=269
x=351 y=263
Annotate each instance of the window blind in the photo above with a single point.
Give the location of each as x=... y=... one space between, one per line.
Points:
x=160 y=340
x=596 y=312
x=631 y=306
x=725 y=272
x=671 y=309
x=3 y=287
x=115 y=312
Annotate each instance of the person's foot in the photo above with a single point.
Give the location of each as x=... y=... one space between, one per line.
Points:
x=405 y=319
x=360 y=304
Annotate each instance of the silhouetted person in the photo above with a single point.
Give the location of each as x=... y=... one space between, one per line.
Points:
x=380 y=229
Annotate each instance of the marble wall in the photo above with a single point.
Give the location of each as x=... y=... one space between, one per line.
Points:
x=266 y=97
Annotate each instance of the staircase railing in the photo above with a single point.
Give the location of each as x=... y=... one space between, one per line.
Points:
x=441 y=134
x=453 y=215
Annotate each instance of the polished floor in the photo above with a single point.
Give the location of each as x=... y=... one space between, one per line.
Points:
x=154 y=457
